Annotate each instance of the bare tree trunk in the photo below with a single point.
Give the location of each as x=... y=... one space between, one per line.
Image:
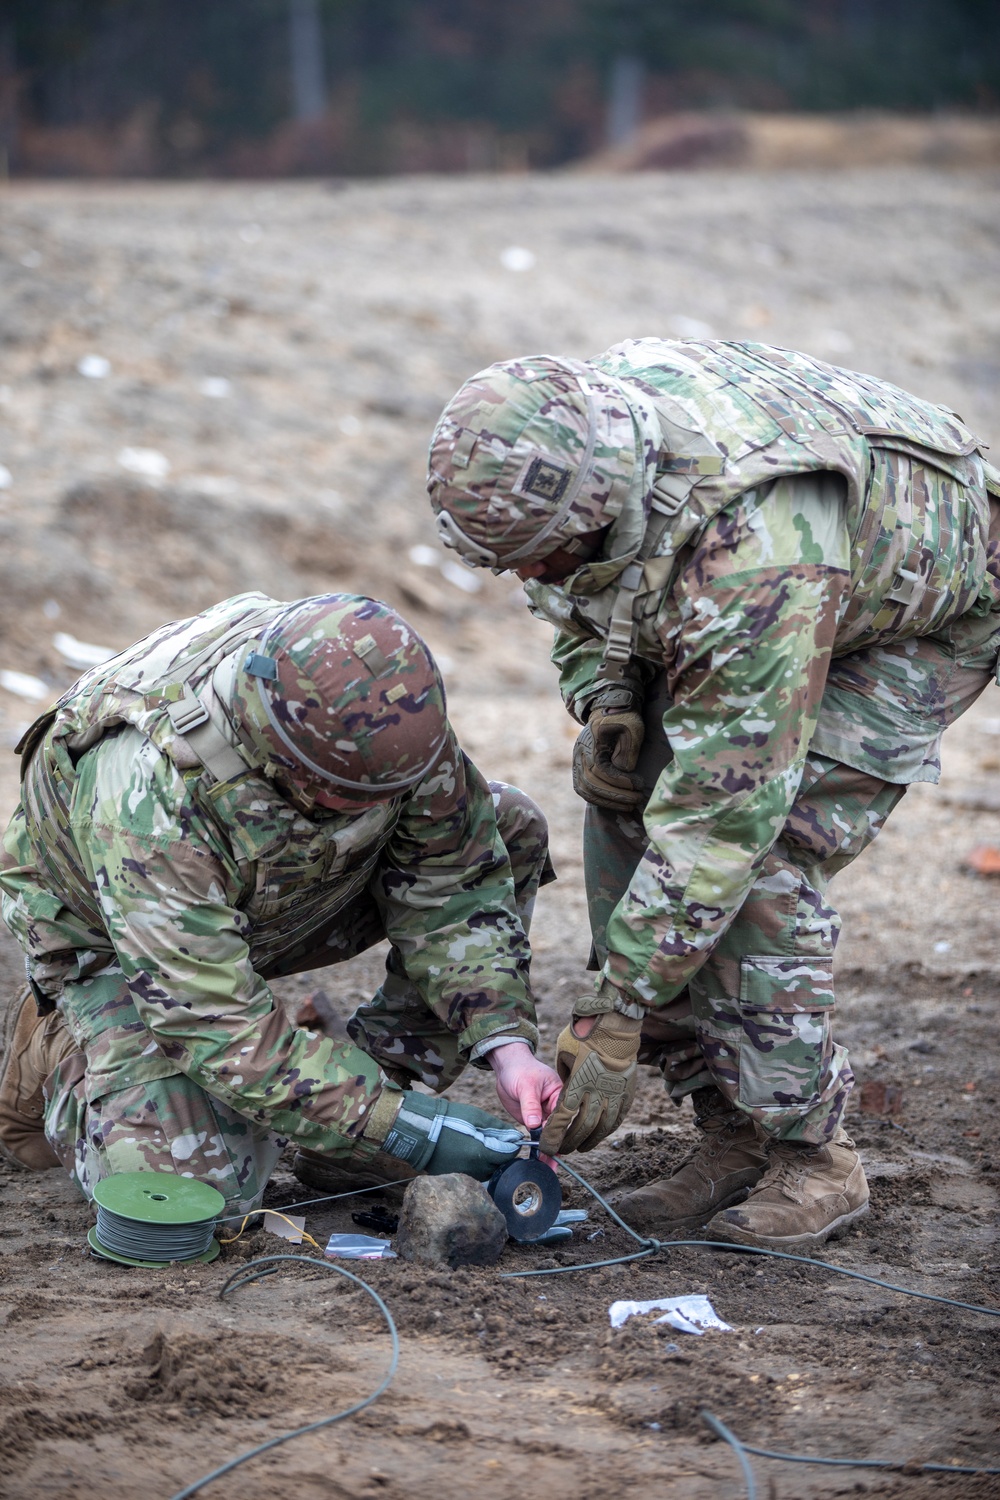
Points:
x=306 y=45
x=8 y=99
x=624 y=98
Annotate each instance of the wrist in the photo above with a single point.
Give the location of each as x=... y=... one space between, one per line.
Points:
x=607 y=998
x=415 y=1129
x=509 y=1051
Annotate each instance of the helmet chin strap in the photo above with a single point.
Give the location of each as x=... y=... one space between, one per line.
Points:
x=456 y=540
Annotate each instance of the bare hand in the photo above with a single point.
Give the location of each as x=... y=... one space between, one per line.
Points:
x=526 y=1087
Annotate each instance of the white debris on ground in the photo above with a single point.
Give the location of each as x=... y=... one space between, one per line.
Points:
x=93 y=367
x=23 y=685
x=689 y=1314
x=80 y=654
x=148 y=462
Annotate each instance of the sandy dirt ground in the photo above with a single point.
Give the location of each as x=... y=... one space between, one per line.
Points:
x=284 y=350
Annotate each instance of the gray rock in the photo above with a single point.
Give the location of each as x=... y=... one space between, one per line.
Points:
x=450 y=1221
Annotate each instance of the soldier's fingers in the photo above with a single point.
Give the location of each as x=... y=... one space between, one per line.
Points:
x=555 y=1129
x=603 y=1126
x=585 y=1121
x=529 y=1098
x=550 y=1096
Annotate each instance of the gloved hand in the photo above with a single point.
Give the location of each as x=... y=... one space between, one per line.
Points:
x=599 y=1074
x=606 y=751
x=437 y=1136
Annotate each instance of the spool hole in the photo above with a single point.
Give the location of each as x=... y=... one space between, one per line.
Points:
x=526 y=1198
x=157 y=1197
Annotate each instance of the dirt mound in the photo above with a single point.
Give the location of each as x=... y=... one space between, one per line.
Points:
x=30 y=1427
x=228 y=1376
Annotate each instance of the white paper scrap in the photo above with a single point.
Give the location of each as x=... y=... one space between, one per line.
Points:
x=691 y=1314
x=288 y=1226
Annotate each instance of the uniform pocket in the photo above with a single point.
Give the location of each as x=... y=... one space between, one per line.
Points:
x=786 y=1045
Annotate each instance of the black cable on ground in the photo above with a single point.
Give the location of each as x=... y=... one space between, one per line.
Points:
x=650 y=1246
x=722 y=1431
x=741 y=1450
x=240 y=1278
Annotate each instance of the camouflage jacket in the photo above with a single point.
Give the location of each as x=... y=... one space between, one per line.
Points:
x=746 y=591
x=124 y=848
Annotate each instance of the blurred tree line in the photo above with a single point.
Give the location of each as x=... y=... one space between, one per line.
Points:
x=246 y=86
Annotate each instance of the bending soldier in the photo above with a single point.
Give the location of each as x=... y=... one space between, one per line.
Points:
x=774 y=583
x=260 y=790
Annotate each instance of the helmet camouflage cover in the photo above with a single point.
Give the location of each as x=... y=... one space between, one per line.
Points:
x=341 y=697
x=532 y=454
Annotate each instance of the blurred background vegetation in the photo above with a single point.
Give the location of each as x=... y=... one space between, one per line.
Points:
x=261 y=87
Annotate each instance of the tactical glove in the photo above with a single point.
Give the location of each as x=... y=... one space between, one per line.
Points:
x=436 y=1136
x=606 y=752
x=599 y=1074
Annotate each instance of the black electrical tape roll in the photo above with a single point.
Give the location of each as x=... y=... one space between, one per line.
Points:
x=528 y=1195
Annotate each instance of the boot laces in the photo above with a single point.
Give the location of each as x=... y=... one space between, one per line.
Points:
x=711 y=1143
x=787 y=1169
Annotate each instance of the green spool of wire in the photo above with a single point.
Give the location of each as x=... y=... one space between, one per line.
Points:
x=150 y=1218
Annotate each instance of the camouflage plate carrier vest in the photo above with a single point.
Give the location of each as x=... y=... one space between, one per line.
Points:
x=299 y=872
x=733 y=416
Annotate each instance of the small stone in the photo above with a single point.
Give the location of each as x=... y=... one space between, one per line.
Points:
x=450 y=1221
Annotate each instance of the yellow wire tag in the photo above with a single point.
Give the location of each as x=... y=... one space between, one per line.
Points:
x=287 y=1226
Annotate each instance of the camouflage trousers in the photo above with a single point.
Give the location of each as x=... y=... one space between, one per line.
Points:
x=100 y=1124
x=755 y=1021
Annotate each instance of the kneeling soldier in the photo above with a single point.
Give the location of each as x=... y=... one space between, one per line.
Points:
x=260 y=790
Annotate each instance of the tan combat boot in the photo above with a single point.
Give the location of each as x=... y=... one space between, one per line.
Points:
x=32 y=1046
x=728 y=1162
x=807 y=1194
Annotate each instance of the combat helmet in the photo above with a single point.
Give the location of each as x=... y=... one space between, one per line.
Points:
x=340 y=701
x=533 y=454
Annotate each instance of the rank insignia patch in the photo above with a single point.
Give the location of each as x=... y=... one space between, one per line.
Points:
x=545 y=480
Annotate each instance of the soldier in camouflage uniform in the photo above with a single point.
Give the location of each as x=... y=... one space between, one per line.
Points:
x=774 y=583
x=257 y=791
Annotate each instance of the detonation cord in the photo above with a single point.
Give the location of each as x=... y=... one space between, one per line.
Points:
x=241 y=1278
x=651 y=1246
